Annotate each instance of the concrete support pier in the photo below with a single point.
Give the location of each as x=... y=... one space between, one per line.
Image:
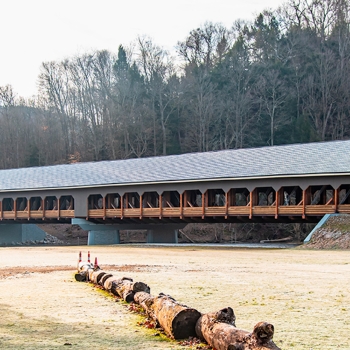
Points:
x=109 y=234
x=19 y=233
x=99 y=234
x=162 y=234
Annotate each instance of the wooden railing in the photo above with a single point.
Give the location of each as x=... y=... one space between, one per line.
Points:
x=178 y=212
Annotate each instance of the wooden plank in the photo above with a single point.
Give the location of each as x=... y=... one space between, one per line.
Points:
x=113 y=213
x=36 y=214
x=22 y=214
x=239 y=210
x=290 y=210
x=51 y=214
x=67 y=213
x=304 y=201
x=215 y=211
x=95 y=213
x=171 y=212
x=344 y=208
x=9 y=215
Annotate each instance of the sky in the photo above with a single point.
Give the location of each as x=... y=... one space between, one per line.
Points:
x=36 y=31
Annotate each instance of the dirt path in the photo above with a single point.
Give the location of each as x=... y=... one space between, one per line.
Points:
x=305 y=294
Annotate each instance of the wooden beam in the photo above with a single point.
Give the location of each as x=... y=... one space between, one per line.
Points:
x=104 y=207
x=227 y=198
x=204 y=200
x=251 y=204
x=160 y=199
x=277 y=203
x=304 y=201
x=336 y=199
x=181 y=207
x=15 y=207
x=121 y=206
x=43 y=206
x=141 y=204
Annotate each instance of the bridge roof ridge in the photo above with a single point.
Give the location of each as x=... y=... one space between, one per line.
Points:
x=269 y=161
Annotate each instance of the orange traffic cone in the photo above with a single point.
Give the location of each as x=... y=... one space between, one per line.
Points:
x=79 y=256
x=96 y=263
x=88 y=256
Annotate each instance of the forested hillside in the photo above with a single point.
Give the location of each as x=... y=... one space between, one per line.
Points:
x=285 y=78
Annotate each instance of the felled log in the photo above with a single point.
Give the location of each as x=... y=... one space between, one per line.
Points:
x=97 y=275
x=177 y=320
x=126 y=288
x=104 y=278
x=219 y=331
x=83 y=271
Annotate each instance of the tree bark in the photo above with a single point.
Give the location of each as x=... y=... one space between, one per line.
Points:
x=219 y=331
x=177 y=320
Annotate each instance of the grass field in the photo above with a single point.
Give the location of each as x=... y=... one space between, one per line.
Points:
x=304 y=293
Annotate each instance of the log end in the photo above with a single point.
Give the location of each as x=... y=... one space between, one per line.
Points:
x=184 y=324
x=263 y=332
x=80 y=277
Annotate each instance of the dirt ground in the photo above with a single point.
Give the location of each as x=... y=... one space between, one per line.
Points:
x=304 y=293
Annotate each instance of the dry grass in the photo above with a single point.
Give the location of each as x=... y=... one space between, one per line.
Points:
x=305 y=294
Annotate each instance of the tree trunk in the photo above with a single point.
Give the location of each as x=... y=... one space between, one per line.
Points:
x=219 y=331
x=177 y=320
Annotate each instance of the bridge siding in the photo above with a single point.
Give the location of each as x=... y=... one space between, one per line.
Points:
x=252 y=210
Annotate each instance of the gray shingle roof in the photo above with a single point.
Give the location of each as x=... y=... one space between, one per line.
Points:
x=297 y=159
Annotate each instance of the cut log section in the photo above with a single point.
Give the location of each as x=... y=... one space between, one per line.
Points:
x=219 y=331
x=126 y=288
x=104 y=278
x=177 y=320
x=83 y=271
x=97 y=275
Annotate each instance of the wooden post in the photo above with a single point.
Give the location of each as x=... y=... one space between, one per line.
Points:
x=304 y=200
x=181 y=207
x=204 y=202
x=277 y=203
x=251 y=193
x=15 y=207
x=336 y=196
x=227 y=197
x=121 y=206
x=43 y=206
x=29 y=208
x=104 y=207
x=141 y=204
x=160 y=206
